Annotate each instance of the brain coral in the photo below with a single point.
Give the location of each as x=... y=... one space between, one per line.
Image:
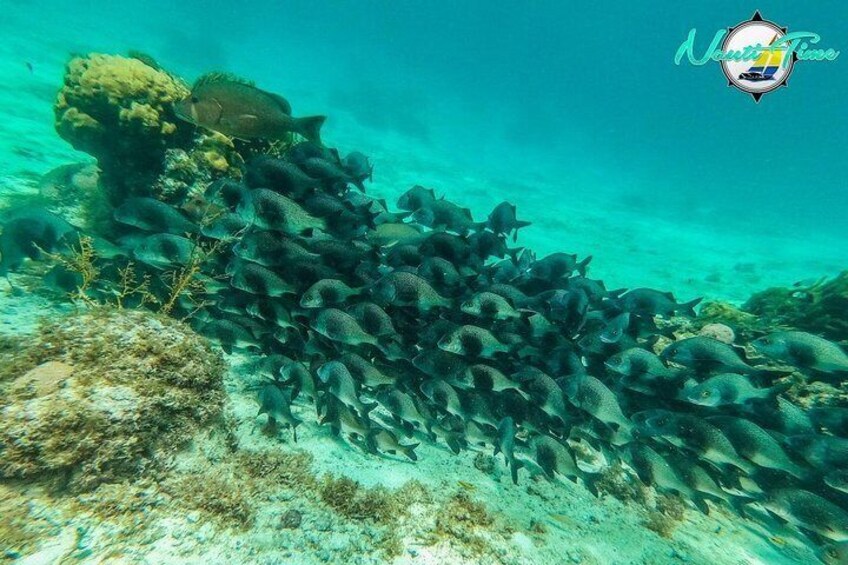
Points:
x=99 y=396
x=120 y=111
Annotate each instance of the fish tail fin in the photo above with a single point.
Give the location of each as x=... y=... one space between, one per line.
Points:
x=310 y=127
x=688 y=308
x=454 y=444
x=513 y=471
x=581 y=266
x=409 y=451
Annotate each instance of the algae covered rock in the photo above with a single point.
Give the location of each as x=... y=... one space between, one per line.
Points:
x=817 y=308
x=99 y=396
x=120 y=110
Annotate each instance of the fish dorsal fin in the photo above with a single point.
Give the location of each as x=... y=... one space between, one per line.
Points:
x=219 y=77
x=282 y=102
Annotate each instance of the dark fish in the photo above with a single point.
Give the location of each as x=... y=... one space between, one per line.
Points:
x=374 y=320
x=280 y=176
x=297 y=376
x=727 y=389
x=756 y=445
x=837 y=479
x=505 y=443
x=594 y=397
x=407 y=289
x=236 y=108
x=643 y=371
x=343 y=420
x=229 y=335
x=649 y=302
x=491 y=306
x=341 y=384
x=700 y=437
x=834 y=553
x=809 y=511
x=705 y=354
x=416 y=197
x=553 y=457
x=26 y=232
x=830 y=418
x=164 y=250
x=383 y=441
x=153 y=215
x=270 y=310
x=340 y=326
x=257 y=279
x=558 y=265
x=616 y=328
x=270 y=210
x=403 y=408
x=654 y=470
x=276 y=403
x=443 y=396
x=439 y=364
x=226 y=227
x=820 y=451
x=544 y=392
x=364 y=371
x=271 y=250
x=439 y=272
x=445 y=215
x=472 y=341
x=358 y=166
x=330 y=171
x=503 y=220
x=327 y=292
x=804 y=350
x=226 y=193
x=485 y=379
x=395 y=233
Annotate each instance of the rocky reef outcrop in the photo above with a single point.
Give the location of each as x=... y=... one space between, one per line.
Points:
x=99 y=396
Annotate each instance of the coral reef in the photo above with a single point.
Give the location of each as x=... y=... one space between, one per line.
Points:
x=106 y=393
x=745 y=326
x=817 y=308
x=120 y=111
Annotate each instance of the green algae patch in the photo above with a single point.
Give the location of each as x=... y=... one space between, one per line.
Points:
x=218 y=495
x=667 y=513
x=353 y=501
x=20 y=530
x=102 y=395
x=817 y=308
x=467 y=525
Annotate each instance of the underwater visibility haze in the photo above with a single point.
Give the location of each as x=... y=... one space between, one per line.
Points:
x=395 y=282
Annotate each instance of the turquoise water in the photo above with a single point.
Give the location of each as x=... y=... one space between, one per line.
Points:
x=576 y=114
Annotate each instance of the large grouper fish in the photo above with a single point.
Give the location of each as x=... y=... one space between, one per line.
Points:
x=235 y=107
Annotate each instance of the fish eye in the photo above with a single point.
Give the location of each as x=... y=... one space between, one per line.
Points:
x=765 y=341
x=195 y=99
x=705 y=394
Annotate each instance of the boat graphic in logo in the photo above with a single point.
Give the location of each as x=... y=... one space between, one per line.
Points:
x=765 y=66
x=756 y=56
x=773 y=65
